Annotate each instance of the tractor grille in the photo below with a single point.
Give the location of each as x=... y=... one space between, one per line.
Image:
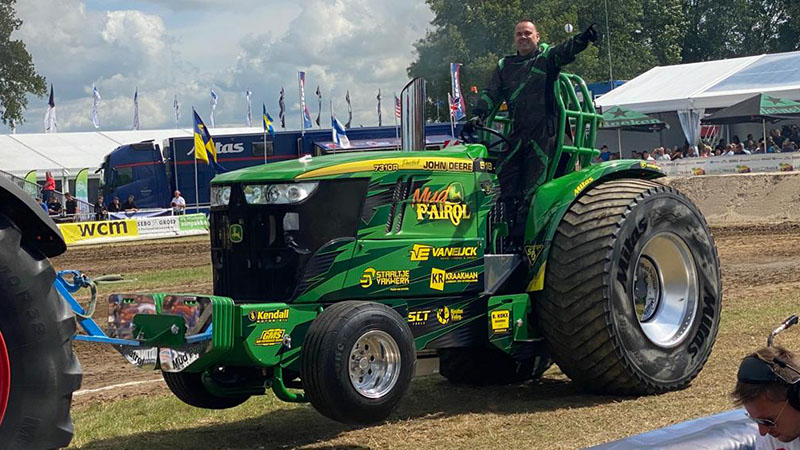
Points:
x=269 y=262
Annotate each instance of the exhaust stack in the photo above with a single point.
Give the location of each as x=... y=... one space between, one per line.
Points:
x=412 y=117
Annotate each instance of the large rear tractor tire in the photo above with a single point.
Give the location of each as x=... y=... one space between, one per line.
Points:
x=189 y=388
x=632 y=295
x=358 y=361
x=38 y=369
x=491 y=366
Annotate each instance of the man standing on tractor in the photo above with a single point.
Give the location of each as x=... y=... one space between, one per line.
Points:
x=525 y=81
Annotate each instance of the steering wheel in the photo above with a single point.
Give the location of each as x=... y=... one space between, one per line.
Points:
x=490 y=147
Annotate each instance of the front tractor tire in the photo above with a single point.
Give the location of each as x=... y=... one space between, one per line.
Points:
x=358 y=360
x=38 y=369
x=632 y=296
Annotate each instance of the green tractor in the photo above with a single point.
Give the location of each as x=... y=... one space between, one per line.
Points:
x=336 y=274
x=337 y=278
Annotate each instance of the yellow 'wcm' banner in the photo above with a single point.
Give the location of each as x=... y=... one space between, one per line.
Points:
x=98 y=231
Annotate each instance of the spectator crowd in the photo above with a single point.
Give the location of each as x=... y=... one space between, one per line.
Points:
x=785 y=140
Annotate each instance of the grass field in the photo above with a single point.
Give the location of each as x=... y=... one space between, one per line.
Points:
x=549 y=414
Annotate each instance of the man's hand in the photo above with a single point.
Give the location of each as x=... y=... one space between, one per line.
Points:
x=591 y=34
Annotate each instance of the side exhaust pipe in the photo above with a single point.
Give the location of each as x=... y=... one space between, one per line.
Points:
x=412 y=117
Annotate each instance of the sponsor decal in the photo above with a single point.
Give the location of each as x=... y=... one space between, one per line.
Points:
x=485 y=166
x=272 y=336
x=280 y=315
x=446 y=315
x=444 y=204
x=236 y=233
x=439 y=278
x=418 y=317
x=742 y=169
x=698 y=171
x=422 y=252
x=785 y=167
x=450 y=164
x=500 y=320
x=396 y=279
x=647 y=165
x=76 y=232
x=533 y=252
x=582 y=186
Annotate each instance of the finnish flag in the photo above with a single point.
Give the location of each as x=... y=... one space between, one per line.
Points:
x=339 y=135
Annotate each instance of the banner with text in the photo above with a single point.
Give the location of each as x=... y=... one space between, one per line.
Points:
x=133 y=229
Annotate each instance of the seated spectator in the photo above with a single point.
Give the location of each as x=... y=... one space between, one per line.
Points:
x=729 y=150
x=646 y=156
x=71 y=204
x=788 y=146
x=54 y=206
x=795 y=136
x=772 y=147
x=129 y=205
x=115 y=206
x=750 y=143
x=736 y=140
x=100 y=210
x=42 y=204
x=178 y=204
x=740 y=150
x=721 y=145
x=776 y=137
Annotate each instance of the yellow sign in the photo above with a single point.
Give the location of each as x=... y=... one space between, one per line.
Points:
x=501 y=320
x=422 y=252
x=84 y=231
x=281 y=315
x=273 y=336
x=441 y=277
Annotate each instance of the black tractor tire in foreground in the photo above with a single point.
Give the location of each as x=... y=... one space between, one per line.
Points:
x=38 y=369
x=491 y=366
x=358 y=360
x=632 y=296
x=189 y=388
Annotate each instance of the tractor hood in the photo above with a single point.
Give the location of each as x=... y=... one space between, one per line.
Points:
x=459 y=159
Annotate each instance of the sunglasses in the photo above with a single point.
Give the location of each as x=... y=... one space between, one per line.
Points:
x=771 y=423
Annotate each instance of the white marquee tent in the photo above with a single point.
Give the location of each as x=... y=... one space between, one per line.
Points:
x=691 y=89
x=67 y=153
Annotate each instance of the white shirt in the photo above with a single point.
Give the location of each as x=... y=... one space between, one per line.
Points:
x=178 y=203
x=770 y=443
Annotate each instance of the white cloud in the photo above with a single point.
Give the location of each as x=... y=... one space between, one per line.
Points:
x=360 y=45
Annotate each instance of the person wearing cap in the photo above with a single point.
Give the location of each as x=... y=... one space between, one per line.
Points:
x=767 y=387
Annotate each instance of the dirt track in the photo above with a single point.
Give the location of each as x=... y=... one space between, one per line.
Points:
x=759 y=252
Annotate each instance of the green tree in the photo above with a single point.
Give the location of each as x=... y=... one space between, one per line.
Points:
x=17 y=73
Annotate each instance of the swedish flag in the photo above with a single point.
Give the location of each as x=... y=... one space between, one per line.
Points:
x=267 y=121
x=204 y=148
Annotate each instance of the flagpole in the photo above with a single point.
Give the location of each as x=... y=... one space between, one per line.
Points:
x=331 y=108
x=619 y=141
x=196 y=187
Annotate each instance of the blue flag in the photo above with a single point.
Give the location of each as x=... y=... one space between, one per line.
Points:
x=204 y=148
x=267 y=121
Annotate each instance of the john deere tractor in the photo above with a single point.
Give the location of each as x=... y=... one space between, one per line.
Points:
x=333 y=274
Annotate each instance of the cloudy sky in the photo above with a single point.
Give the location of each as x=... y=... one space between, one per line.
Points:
x=185 y=47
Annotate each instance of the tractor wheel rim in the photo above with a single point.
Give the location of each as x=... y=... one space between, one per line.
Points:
x=665 y=289
x=5 y=377
x=374 y=364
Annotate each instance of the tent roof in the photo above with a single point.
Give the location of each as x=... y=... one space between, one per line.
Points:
x=67 y=153
x=754 y=109
x=710 y=84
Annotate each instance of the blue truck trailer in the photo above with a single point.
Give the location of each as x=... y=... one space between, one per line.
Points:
x=151 y=172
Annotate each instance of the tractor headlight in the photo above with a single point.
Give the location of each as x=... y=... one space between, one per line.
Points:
x=278 y=194
x=220 y=195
